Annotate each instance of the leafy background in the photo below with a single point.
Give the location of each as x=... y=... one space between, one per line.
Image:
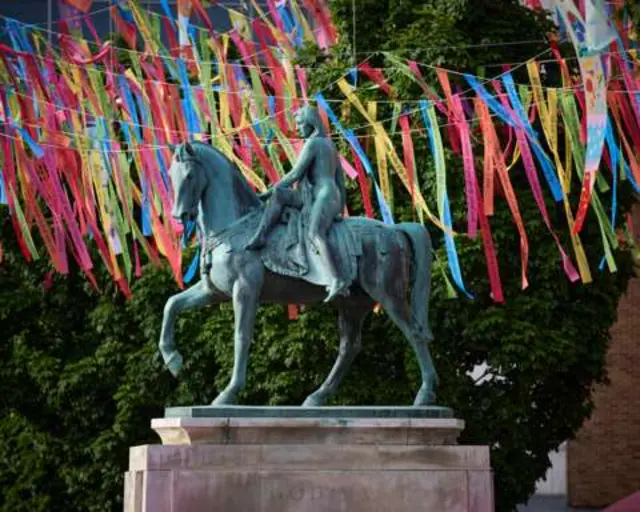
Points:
x=80 y=378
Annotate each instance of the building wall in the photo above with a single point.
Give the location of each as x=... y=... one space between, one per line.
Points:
x=604 y=461
x=555 y=481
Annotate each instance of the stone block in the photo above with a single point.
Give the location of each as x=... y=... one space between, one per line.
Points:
x=282 y=464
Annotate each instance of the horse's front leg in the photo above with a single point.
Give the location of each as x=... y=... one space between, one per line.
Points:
x=246 y=292
x=197 y=295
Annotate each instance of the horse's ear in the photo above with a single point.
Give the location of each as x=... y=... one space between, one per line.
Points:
x=189 y=149
x=172 y=148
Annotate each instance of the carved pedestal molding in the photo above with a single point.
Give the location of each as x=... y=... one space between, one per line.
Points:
x=396 y=461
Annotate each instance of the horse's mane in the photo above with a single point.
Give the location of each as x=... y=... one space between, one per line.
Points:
x=247 y=198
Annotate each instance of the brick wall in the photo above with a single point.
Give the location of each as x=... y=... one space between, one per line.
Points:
x=603 y=463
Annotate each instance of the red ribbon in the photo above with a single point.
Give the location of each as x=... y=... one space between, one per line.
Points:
x=364 y=186
x=76 y=54
x=409 y=156
x=377 y=77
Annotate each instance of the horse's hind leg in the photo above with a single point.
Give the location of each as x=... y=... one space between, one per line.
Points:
x=197 y=295
x=350 y=322
x=399 y=312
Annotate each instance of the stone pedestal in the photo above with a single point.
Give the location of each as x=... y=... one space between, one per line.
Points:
x=318 y=459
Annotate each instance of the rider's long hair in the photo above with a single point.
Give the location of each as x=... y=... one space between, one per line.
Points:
x=311 y=116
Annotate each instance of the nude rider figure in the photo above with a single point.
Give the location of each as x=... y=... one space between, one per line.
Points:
x=321 y=182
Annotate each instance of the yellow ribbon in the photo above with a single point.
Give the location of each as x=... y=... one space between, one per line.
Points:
x=397 y=164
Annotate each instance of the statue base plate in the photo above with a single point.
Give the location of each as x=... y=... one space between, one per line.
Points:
x=318 y=459
x=256 y=411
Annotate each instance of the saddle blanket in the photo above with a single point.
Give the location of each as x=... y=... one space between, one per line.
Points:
x=288 y=250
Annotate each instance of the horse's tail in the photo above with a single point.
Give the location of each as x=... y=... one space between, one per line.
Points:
x=420 y=276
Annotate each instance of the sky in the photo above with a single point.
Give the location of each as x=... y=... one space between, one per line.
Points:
x=36 y=12
x=28 y=11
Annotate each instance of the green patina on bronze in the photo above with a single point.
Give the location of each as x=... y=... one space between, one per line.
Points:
x=294 y=250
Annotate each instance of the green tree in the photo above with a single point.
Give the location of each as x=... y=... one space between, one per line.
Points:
x=631 y=9
x=543 y=358
x=80 y=378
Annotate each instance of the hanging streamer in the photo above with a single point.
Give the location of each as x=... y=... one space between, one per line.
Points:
x=470 y=181
x=490 y=139
x=430 y=121
x=393 y=156
x=66 y=109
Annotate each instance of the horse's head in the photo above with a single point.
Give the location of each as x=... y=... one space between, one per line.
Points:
x=188 y=182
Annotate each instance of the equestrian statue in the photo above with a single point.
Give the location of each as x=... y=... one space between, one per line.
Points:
x=293 y=246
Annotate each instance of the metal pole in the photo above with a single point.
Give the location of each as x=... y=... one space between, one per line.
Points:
x=353 y=21
x=50 y=19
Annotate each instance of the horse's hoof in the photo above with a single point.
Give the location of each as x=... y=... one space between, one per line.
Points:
x=224 y=398
x=313 y=401
x=174 y=363
x=425 y=397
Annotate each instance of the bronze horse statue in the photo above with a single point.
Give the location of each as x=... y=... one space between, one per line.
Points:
x=392 y=268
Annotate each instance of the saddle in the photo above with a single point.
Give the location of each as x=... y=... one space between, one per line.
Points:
x=289 y=252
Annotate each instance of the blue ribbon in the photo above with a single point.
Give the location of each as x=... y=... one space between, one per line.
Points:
x=188 y=231
x=12 y=29
x=24 y=40
x=193 y=125
x=167 y=10
x=37 y=151
x=125 y=13
x=353 y=74
x=562 y=27
x=163 y=168
x=271 y=105
x=504 y=115
x=385 y=211
x=387 y=216
x=3 y=191
x=291 y=25
x=325 y=106
x=614 y=151
x=193 y=267
x=145 y=213
x=355 y=144
x=452 y=254
x=491 y=101
x=547 y=167
x=142 y=108
x=131 y=106
x=105 y=143
x=450 y=245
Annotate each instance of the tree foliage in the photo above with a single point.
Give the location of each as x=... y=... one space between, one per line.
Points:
x=80 y=377
x=631 y=10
